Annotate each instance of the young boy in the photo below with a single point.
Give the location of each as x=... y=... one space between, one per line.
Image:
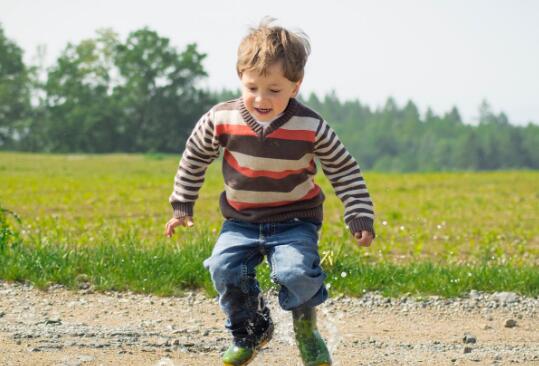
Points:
x=271 y=203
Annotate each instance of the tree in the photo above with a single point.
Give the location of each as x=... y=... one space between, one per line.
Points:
x=80 y=114
x=158 y=94
x=15 y=105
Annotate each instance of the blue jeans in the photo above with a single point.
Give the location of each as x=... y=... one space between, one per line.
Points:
x=291 y=248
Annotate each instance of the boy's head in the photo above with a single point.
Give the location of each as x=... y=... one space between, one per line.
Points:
x=271 y=62
x=269 y=44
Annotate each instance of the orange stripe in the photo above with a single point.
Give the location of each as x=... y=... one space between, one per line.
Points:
x=226 y=129
x=248 y=172
x=301 y=135
x=244 y=205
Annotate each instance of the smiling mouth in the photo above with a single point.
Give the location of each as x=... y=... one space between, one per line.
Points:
x=263 y=110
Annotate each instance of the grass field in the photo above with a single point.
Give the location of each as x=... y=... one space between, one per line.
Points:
x=100 y=219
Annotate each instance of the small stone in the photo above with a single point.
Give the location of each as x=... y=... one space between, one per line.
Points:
x=505 y=297
x=469 y=338
x=86 y=358
x=53 y=321
x=510 y=323
x=468 y=349
x=2 y=314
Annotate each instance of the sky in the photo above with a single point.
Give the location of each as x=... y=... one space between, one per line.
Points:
x=438 y=53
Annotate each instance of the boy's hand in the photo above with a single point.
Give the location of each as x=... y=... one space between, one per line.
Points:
x=364 y=238
x=177 y=221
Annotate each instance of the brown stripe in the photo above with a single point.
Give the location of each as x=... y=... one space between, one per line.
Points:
x=236 y=180
x=339 y=165
x=347 y=182
x=267 y=148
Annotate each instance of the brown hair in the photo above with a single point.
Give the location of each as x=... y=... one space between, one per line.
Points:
x=268 y=44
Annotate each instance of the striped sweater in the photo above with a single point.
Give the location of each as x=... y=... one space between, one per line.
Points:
x=269 y=173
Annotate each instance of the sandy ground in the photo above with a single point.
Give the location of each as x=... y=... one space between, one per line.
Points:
x=61 y=327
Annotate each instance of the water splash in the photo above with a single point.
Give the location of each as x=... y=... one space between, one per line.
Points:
x=283 y=336
x=282 y=319
x=284 y=331
x=327 y=322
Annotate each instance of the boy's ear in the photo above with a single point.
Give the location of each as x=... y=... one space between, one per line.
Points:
x=297 y=85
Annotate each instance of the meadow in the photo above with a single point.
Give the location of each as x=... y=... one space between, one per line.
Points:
x=98 y=220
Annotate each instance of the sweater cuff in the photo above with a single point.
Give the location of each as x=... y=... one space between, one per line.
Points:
x=182 y=209
x=358 y=224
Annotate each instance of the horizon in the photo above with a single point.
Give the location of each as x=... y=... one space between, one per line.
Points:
x=460 y=61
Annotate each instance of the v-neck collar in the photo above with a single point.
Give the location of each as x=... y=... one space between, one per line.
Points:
x=290 y=110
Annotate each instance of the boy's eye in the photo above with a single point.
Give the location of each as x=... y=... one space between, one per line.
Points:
x=274 y=91
x=251 y=88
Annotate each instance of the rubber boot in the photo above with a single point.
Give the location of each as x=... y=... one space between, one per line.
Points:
x=242 y=352
x=312 y=347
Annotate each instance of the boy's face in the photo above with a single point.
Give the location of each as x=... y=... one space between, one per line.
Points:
x=267 y=96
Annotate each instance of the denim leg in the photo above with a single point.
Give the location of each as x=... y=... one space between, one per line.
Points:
x=232 y=267
x=295 y=264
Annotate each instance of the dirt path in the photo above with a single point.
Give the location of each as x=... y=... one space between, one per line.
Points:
x=61 y=327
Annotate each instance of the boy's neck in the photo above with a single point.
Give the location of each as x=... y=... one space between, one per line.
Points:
x=258 y=128
x=271 y=120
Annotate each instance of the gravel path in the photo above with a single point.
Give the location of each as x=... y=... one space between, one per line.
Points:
x=61 y=327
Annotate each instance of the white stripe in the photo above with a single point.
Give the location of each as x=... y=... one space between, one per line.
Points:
x=326 y=149
x=356 y=191
x=179 y=193
x=228 y=117
x=270 y=164
x=268 y=197
x=355 y=177
x=340 y=190
x=297 y=123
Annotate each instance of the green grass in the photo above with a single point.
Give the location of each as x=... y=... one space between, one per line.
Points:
x=100 y=218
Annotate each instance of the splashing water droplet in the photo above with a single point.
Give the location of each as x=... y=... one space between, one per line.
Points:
x=344 y=274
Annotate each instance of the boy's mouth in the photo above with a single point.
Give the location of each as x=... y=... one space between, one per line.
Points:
x=263 y=110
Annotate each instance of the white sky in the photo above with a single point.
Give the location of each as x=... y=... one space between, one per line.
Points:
x=437 y=53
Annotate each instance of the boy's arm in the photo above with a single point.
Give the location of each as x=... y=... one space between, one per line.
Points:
x=345 y=176
x=201 y=148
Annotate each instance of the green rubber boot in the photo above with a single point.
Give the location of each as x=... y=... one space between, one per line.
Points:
x=312 y=347
x=238 y=355
x=241 y=355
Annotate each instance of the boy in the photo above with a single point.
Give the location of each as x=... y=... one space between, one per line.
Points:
x=271 y=203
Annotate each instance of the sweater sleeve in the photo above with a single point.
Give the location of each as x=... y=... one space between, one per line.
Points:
x=344 y=173
x=201 y=148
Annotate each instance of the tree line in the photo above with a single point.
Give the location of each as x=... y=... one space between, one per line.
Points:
x=142 y=94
